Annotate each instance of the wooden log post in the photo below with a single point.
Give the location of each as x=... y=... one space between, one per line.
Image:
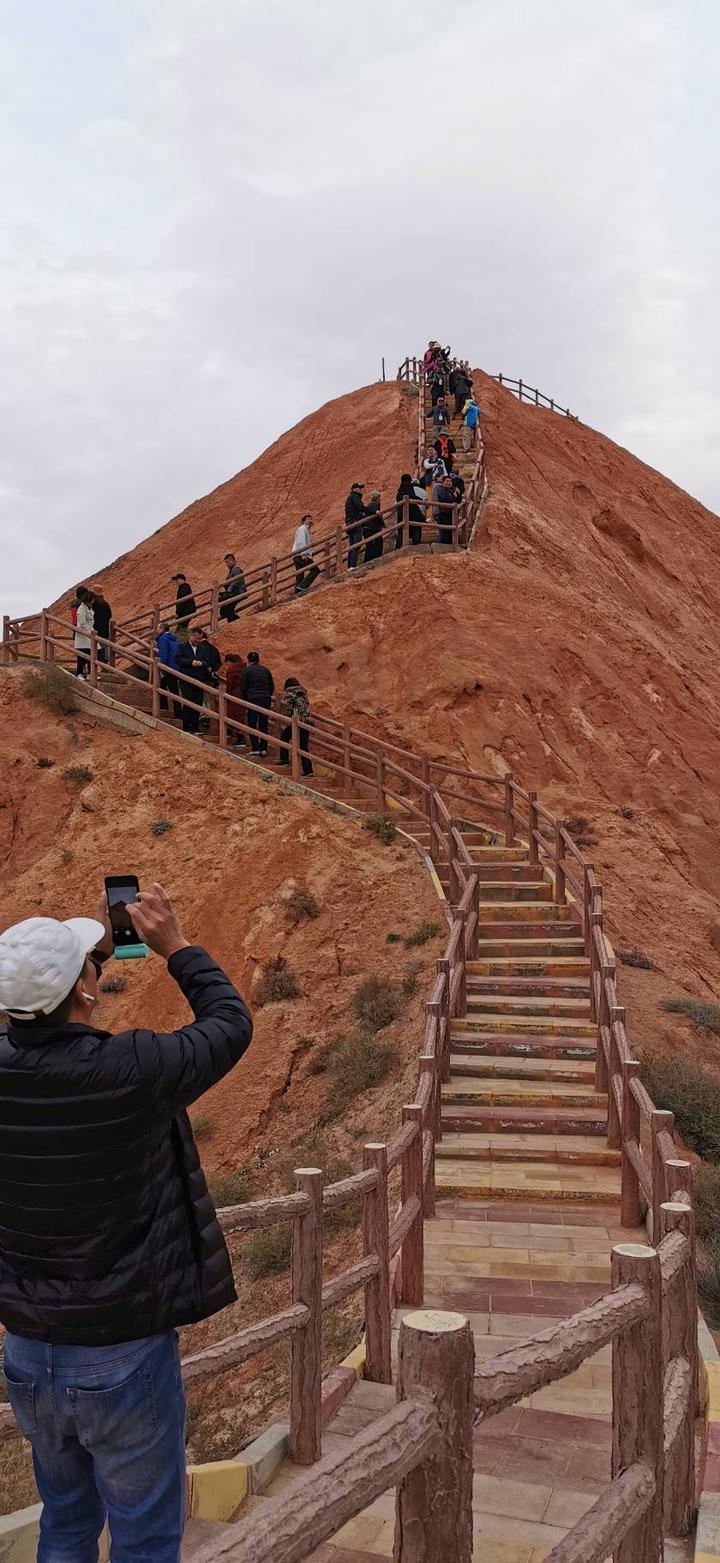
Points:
x=533 y=854
x=155 y=683
x=455 y=514
x=680 y=1340
x=112 y=652
x=460 y=1005
x=273 y=581
x=215 y=608
x=679 y=1181
x=658 y=1121
x=44 y=635
x=380 y=781
x=615 y=1017
x=509 y=821
x=637 y=1392
x=428 y=1066
x=560 y=889
x=295 y=770
x=6 y=639
x=94 y=660
x=376 y=1236
x=474 y=950
x=433 y=1509
x=629 y=1181
x=306 y=1344
x=340 y=536
x=413 y=1249
x=347 y=741
x=222 y=714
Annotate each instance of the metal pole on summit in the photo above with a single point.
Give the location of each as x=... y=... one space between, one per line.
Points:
x=383 y=368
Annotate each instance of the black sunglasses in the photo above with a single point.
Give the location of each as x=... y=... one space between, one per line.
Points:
x=97 y=964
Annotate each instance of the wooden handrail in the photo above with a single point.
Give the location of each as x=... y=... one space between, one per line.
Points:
x=528 y=393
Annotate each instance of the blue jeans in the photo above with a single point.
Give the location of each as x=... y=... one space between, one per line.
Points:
x=107 y=1428
x=355 y=537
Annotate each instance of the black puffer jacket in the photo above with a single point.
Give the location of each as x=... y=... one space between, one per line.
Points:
x=257 y=683
x=107 y=1230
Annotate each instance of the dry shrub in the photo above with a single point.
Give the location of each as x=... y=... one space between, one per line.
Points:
x=159 y=827
x=51 y=688
x=701 y=1011
x=422 y=934
x=634 y=957
x=231 y=1188
x=706 y=1191
x=301 y=904
x=81 y=774
x=692 y=1093
x=267 y=1252
x=44 y=764
x=277 y=982
x=113 y=985
x=383 y=826
x=377 y=1002
x=356 y=1064
x=709 y=1280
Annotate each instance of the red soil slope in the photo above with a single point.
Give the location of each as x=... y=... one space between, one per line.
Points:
x=236 y=849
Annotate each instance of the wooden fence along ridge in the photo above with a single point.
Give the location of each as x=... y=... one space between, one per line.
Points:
x=423 y=1446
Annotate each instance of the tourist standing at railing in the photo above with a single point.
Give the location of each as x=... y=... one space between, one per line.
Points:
x=167 y=648
x=84 y=625
x=234 y=587
x=459 y=387
x=184 y=600
x=415 y=513
x=295 y=702
x=437 y=388
x=235 y=710
x=443 y=501
x=440 y=415
x=257 y=686
x=373 y=527
x=355 y=513
x=471 y=415
x=190 y=663
x=110 y=1242
x=433 y=467
x=302 y=556
x=102 y=613
x=430 y=359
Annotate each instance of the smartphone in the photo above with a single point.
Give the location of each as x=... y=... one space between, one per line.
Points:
x=121 y=890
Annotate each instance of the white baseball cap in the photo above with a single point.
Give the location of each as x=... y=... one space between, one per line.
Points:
x=41 y=960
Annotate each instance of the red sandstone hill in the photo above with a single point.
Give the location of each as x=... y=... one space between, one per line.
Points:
x=577 y=643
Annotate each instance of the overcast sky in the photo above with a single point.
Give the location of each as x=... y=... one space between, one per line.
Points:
x=217 y=214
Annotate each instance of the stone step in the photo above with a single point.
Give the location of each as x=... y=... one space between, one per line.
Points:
x=480 y=1044
x=515 y=890
x=542 y=1025
x=495 y=1119
x=532 y=1182
x=493 y=1066
x=496 y=854
x=527 y=912
x=552 y=966
x=511 y=929
x=518 y=1004
x=512 y=985
x=531 y=949
x=478 y=1145
x=521 y=1093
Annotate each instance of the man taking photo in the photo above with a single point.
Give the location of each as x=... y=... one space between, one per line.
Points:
x=108 y=1236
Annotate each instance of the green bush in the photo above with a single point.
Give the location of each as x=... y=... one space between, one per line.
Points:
x=301 y=904
x=267 y=1252
x=422 y=934
x=393 y=938
x=383 y=826
x=706 y=1191
x=709 y=1280
x=634 y=957
x=356 y=1064
x=692 y=1093
x=377 y=1002
x=277 y=982
x=44 y=764
x=409 y=984
x=231 y=1188
x=700 y=1010
x=160 y=826
x=52 y=688
x=81 y=774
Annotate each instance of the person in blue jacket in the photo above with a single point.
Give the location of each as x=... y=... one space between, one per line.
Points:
x=167 y=645
x=471 y=415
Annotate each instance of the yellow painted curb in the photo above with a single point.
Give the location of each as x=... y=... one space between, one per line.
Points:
x=712 y=1375
x=216 y=1490
x=356 y=1360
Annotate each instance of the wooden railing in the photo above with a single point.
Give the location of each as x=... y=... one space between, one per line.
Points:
x=529 y=393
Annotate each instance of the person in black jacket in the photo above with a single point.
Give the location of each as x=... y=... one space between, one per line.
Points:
x=415 y=513
x=108 y=1236
x=373 y=528
x=184 y=601
x=193 y=661
x=257 y=687
x=102 y=614
x=355 y=513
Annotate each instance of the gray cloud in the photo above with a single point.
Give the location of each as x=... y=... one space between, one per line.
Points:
x=220 y=215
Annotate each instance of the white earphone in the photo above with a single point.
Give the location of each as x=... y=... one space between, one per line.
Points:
x=88 y=997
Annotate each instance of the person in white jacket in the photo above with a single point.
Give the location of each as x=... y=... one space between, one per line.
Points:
x=302 y=554
x=85 y=624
